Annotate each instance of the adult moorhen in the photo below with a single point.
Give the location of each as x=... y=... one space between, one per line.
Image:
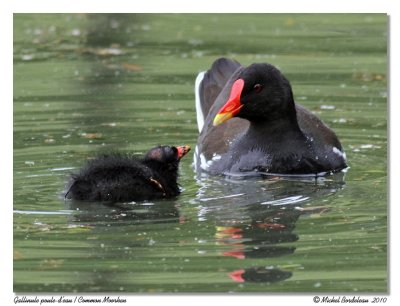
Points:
x=120 y=177
x=249 y=123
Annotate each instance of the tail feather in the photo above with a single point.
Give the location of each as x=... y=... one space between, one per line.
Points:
x=209 y=84
x=199 y=110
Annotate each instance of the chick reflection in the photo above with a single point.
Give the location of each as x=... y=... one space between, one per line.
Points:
x=98 y=213
x=114 y=235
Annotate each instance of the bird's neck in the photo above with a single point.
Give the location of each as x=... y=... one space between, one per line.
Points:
x=273 y=129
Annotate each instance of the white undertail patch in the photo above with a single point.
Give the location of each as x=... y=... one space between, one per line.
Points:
x=204 y=164
x=199 y=112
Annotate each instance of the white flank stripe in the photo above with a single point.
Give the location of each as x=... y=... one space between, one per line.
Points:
x=340 y=153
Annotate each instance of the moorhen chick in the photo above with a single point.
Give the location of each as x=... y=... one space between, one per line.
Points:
x=249 y=123
x=121 y=177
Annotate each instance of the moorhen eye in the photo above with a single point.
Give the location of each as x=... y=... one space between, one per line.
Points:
x=257 y=88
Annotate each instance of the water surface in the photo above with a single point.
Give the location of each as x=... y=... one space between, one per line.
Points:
x=85 y=84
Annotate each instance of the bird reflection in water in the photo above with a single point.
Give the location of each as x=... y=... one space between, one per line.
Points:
x=257 y=220
x=260 y=238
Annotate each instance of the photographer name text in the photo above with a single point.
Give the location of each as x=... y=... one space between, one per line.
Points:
x=348 y=300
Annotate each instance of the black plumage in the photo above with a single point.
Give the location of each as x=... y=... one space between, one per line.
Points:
x=249 y=122
x=121 y=177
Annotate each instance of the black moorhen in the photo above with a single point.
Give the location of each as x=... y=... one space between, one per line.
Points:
x=118 y=177
x=267 y=131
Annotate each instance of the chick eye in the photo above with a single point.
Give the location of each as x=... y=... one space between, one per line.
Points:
x=257 y=88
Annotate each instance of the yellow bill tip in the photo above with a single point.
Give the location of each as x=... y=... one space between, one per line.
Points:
x=222 y=117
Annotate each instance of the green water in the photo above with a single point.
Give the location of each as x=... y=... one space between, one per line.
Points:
x=85 y=84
